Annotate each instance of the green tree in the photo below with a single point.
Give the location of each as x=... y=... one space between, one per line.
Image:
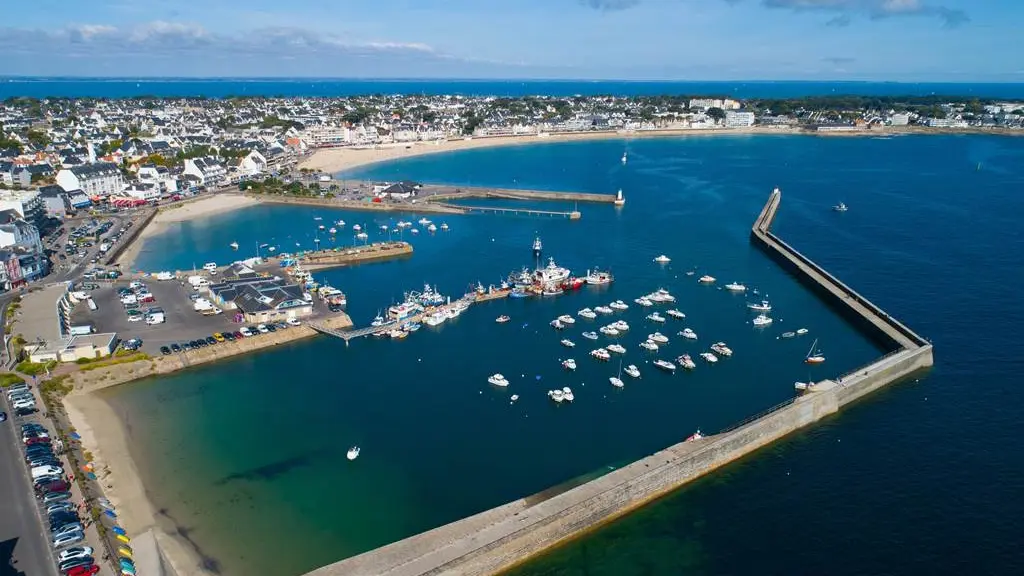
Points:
x=38 y=138
x=716 y=114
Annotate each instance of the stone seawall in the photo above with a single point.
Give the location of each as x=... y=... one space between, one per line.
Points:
x=106 y=376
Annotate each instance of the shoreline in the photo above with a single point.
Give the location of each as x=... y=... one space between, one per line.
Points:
x=203 y=206
x=337 y=160
x=104 y=435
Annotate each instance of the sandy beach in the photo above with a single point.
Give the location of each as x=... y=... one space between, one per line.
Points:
x=201 y=207
x=99 y=425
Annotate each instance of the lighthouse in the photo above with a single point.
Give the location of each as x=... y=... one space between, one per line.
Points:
x=620 y=200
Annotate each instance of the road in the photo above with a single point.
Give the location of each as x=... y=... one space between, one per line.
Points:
x=24 y=548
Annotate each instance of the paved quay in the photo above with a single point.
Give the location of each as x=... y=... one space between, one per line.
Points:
x=497 y=539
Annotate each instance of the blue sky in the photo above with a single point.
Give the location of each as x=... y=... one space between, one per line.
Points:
x=899 y=40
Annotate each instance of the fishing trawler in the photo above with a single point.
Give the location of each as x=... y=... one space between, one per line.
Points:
x=597 y=277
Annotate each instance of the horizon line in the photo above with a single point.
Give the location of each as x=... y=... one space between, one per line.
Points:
x=61 y=77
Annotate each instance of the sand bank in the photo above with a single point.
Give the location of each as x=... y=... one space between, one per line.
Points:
x=333 y=160
x=187 y=210
x=99 y=425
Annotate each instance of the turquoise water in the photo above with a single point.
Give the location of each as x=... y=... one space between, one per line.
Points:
x=252 y=450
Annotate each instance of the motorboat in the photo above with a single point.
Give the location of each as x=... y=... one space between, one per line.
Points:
x=695 y=436
x=655 y=317
x=709 y=357
x=688 y=334
x=597 y=277
x=435 y=318
x=415 y=231
x=378 y=321
x=569 y=364
x=814 y=356
x=383 y=227
x=557 y=325
x=764 y=306
x=665 y=365
x=357 y=227
x=735 y=287
x=616 y=381
x=538 y=247
x=633 y=371
x=518 y=293
x=587 y=313
x=424 y=221
x=788 y=334
x=353 y=453
x=567 y=394
x=557 y=395
x=432 y=228
x=649 y=345
x=841 y=207
x=675 y=314
x=608 y=331
x=617 y=348
x=402 y=224
x=801 y=386
x=332 y=231
x=661 y=295
x=590 y=335
x=411 y=326
x=624 y=158
x=662 y=259
x=568 y=343
x=498 y=380
x=620 y=325
x=619 y=305
x=603 y=310
x=502 y=319
x=234 y=245
x=762 y=320
x=566 y=319
x=644 y=301
x=721 y=349
x=705 y=279
x=658 y=337
x=321 y=227
x=444 y=225
x=514 y=397
x=686 y=362
x=362 y=236
x=802 y=331
x=397 y=334
x=340 y=223
x=600 y=354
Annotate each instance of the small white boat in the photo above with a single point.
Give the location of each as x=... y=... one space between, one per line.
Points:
x=662 y=259
x=658 y=337
x=762 y=320
x=675 y=314
x=665 y=365
x=800 y=386
x=567 y=394
x=502 y=319
x=234 y=245
x=764 y=306
x=721 y=349
x=444 y=226
x=590 y=335
x=362 y=236
x=608 y=331
x=686 y=362
x=649 y=345
x=603 y=310
x=557 y=325
x=624 y=158
x=566 y=319
x=814 y=356
x=556 y=395
x=424 y=221
x=340 y=223
x=840 y=207
x=568 y=343
x=661 y=295
x=688 y=334
x=621 y=325
x=357 y=227
x=616 y=381
x=735 y=287
x=705 y=279
x=333 y=230
x=655 y=317
x=321 y=227
x=431 y=228
x=644 y=301
x=788 y=334
x=514 y=397
x=569 y=364
x=617 y=348
x=587 y=313
x=619 y=305
x=633 y=371
x=600 y=354
x=415 y=231
x=802 y=331
x=709 y=357
x=498 y=380
x=353 y=453
x=695 y=436
x=598 y=278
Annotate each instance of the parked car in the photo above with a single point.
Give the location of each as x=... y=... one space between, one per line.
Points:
x=60 y=507
x=294 y=322
x=66 y=528
x=211 y=340
x=69 y=565
x=53 y=497
x=68 y=539
x=56 y=486
x=165 y=350
x=218 y=337
x=272 y=327
x=73 y=553
x=244 y=331
x=229 y=336
x=83 y=570
x=175 y=348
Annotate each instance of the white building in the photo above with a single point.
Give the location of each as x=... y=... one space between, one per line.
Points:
x=252 y=165
x=101 y=179
x=739 y=119
x=160 y=177
x=15 y=231
x=328 y=136
x=27 y=203
x=208 y=171
x=899 y=119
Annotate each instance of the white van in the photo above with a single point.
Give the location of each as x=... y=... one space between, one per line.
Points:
x=198 y=282
x=162 y=276
x=92 y=304
x=210 y=266
x=45 y=471
x=156 y=318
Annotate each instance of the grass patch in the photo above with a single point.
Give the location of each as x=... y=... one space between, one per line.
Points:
x=34 y=368
x=56 y=386
x=134 y=357
x=9 y=379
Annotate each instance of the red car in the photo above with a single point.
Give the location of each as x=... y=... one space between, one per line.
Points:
x=59 y=486
x=83 y=570
x=36 y=440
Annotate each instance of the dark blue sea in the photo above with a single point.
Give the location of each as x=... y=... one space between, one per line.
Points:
x=922 y=478
x=42 y=87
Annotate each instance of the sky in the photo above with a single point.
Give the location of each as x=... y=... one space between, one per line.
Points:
x=888 y=40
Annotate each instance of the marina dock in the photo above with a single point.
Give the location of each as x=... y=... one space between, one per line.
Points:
x=495 y=540
x=348 y=335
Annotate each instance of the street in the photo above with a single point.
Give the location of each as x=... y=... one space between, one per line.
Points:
x=24 y=547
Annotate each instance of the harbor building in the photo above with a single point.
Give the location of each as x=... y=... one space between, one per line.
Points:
x=45 y=323
x=260 y=298
x=98 y=180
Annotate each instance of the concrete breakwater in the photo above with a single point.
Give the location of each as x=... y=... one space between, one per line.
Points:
x=497 y=539
x=90 y=380
x=324 y=259
x=432 y=193
x=355 y=204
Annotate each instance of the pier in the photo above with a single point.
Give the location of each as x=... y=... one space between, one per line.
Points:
x=348 y=335
x=497 y=539
x=333 y=258
x=571 y=214
x=434 y=194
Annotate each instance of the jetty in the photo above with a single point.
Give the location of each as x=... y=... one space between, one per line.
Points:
x=348 y=335
x=570 y=214
x=435 y=194
x=497 y=539
x=335 y=257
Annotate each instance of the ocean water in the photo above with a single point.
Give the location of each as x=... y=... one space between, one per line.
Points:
x=921 y=477
x=83 y=87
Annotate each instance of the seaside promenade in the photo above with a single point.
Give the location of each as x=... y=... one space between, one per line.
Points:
x=497 y=539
